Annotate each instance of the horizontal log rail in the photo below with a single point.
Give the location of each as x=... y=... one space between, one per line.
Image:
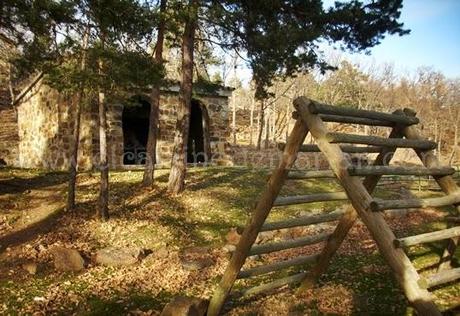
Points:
x=453 y=219
x=288 y=244
x=355 y=120
x=312 y=174
x=381 y=205
x=389 y=175
x=263 y=269
x=399 y=171
x=380 y=141
x=444 y=277
x=427 y=237
x=311 y=148
x=310 y=198
x=263 y=288
x=318 y=108
x=303 y=221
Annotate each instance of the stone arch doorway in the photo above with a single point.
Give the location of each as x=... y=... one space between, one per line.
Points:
x=135 y=121
x=198 y=146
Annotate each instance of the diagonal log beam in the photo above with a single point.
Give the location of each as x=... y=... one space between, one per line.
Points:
x=349 y=218
x=258 y=218
x=403 y=269
x=447 y=184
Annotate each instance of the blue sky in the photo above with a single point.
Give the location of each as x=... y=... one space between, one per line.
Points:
x=434 y=39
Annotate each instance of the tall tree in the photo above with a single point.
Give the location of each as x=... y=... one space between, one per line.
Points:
x=103 y=202
x=280 y=38
x=148 y=178
x=261 y=121
x=77 y=100
x=121 y=38
x=179 y=158
x=27 y=34
x=355 y=25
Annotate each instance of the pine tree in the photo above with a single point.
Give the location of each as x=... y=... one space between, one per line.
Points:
x=122 y=64
x=279 y=38
x=117 y=64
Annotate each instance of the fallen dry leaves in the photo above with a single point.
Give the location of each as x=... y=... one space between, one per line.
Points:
x=155 y=221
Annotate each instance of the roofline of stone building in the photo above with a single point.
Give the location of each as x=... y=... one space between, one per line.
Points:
x=29 y=87
x=220 y=91
x=169 y=86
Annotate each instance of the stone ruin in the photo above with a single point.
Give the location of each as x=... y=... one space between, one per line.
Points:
x=36 y=131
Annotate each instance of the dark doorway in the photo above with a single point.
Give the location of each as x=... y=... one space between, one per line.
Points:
x=135 y=131
x=195 y=147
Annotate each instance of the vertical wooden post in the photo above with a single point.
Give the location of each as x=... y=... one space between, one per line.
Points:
x=447 y=184
x=403 y=269
x=260 y=213
x=347 y=221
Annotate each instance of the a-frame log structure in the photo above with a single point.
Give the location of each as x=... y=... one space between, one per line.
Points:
x=358 y=184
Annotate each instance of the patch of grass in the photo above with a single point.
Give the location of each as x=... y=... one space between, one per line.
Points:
x=372 y=283
x=122 y=305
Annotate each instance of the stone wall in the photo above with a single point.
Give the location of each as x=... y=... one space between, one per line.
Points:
x=219 y=128
x=9 y=139
x=219 y=114
x=44 y=128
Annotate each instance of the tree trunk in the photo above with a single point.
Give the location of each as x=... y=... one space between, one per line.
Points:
x=179 y=158
x=76 y=133
x=261 y=124
x=267 y=130
x=234 y=119
x=274 y=122
x=288 y=120
x=155 y=95
x=103 y=209
x=10 y=83
x=251 y=123
x=455 y=146
x=439 y=144
x=74 y=153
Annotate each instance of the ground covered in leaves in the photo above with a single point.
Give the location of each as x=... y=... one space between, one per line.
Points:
x=217 y=200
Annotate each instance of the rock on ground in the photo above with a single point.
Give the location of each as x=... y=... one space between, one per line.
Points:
x=67 y=259
x=196 y=258
x=185 y=306
x=112 y=256
x=233 y=237
x=30 y=267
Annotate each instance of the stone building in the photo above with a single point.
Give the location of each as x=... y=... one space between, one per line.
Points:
x=36 y=132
